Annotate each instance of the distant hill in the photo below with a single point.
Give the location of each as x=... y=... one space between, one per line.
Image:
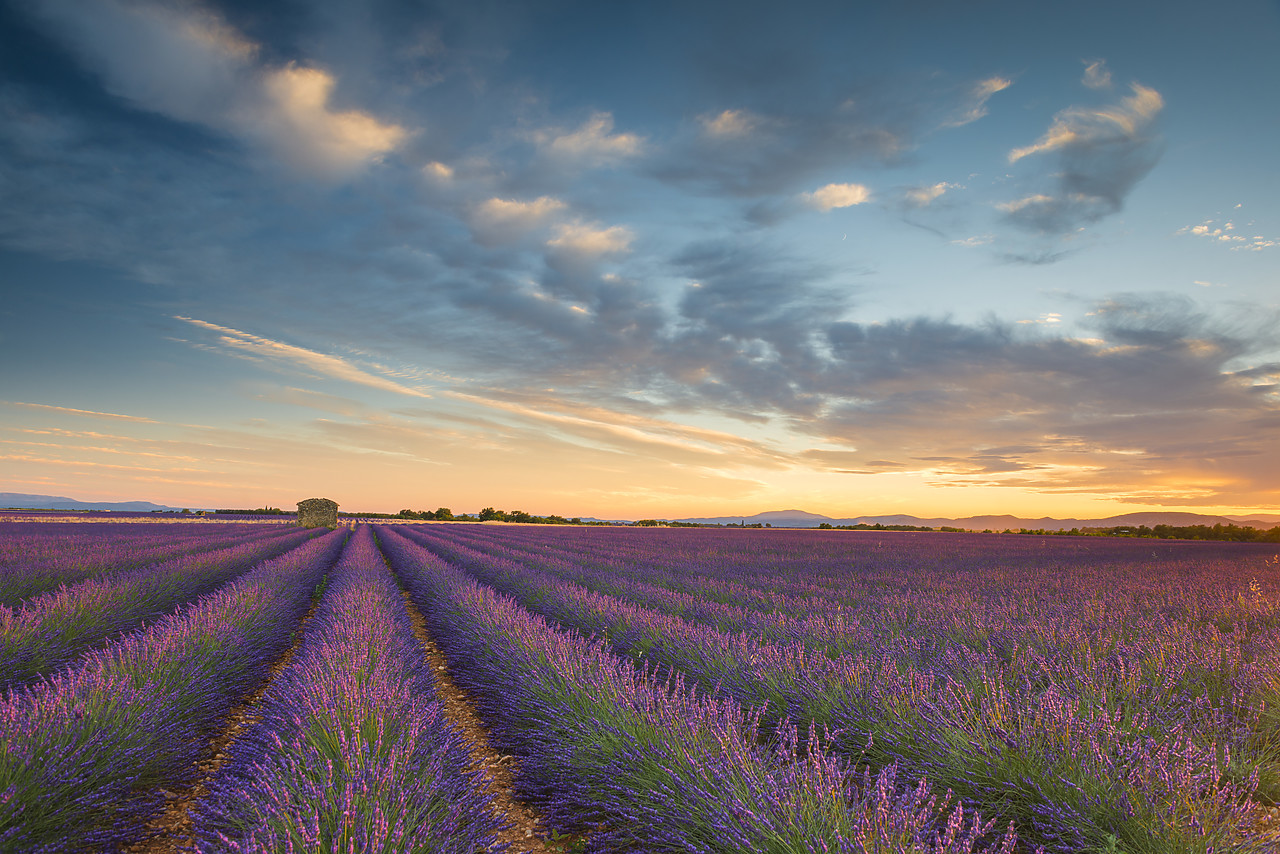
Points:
x=777 y=518
x=802 y=519
x=1268 y=518
x=23 y=501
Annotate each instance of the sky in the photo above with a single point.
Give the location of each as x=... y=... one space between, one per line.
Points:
x=643 y=259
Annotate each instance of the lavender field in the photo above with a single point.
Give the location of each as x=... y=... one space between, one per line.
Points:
x=221 y=688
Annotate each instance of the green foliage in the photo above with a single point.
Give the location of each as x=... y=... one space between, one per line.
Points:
x=261 y=511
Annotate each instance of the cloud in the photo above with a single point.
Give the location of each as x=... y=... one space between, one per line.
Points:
x=86 y=413
x=1160 y=393
x=977 y=97
x=743 y=338
x=278 y=353
x=584 y=239
x=523 y=214
x=185 y=62
x=437 y=171
x=1046 y=318
x=1157 y=379
x=728 y=124
x=1096 y=75
x=592 y=144
x=920 y=197
x=1022 y=204
x=1228 y=235
x=1081 y=127
x=1101 y=154
x=837 y=196
x=646 y=436
x=752 y=154
x=505 y=220
x=301 y=127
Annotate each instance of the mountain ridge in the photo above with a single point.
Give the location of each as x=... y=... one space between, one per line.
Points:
x=27 y=501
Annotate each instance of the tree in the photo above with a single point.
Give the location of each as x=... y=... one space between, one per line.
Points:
x=488 y=514
x=444 y=514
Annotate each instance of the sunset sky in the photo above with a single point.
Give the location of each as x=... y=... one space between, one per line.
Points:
x=635 y=259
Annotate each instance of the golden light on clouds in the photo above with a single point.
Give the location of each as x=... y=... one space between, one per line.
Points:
x=587 y=239
x=304 y=126
x=834 y=196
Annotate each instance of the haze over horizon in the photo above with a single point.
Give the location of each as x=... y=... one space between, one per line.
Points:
x=642 y=260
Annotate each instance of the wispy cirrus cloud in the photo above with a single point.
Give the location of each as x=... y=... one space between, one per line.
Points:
x=604 y=427
x=1079 y=127
x=299 y=358
x=977 y=97
x=1096 y=74
x=88 y=413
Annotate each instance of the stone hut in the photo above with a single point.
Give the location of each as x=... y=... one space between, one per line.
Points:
x=318 y=513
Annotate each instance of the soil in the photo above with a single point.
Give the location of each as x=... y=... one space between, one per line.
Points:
x=526 y=830
x=171 y=829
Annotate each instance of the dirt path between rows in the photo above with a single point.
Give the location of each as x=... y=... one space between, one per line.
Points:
x=527 y=832
x=172 y=827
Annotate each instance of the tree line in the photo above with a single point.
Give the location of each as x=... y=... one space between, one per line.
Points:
x=489 y=514
x=1229 y=532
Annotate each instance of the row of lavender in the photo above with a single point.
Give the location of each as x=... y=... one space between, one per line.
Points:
x=36 y=556
x=644 y=766
x=51 y=630
x=85 y=753
x=351 y=753
x=1088 y=716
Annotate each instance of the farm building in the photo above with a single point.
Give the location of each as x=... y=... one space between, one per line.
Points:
x=318 y=513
